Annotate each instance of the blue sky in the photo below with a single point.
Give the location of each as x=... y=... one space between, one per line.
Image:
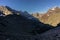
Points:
x=31 y=5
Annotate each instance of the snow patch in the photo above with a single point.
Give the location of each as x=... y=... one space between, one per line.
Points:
x=53 y=9
x=48 y=15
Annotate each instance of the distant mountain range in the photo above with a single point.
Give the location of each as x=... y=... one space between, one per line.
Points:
x=51 y=17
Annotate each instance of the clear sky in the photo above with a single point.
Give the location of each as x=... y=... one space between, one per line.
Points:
x=31 y=5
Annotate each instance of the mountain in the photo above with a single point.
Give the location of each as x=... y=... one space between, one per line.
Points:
x=5 y=10
x=37 y=15
x=51 y=17
x=19 y=25
x=10 y=17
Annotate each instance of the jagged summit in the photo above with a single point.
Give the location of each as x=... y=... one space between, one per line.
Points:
x=54 y=8
x=5 y=10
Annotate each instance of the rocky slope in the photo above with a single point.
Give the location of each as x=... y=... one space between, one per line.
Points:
x=51 y=17
x=53 y=34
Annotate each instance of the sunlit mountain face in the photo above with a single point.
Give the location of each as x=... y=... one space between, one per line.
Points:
x=52 y=16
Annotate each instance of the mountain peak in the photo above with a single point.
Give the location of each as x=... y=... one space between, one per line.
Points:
x=6 y=10
x=54 y=8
